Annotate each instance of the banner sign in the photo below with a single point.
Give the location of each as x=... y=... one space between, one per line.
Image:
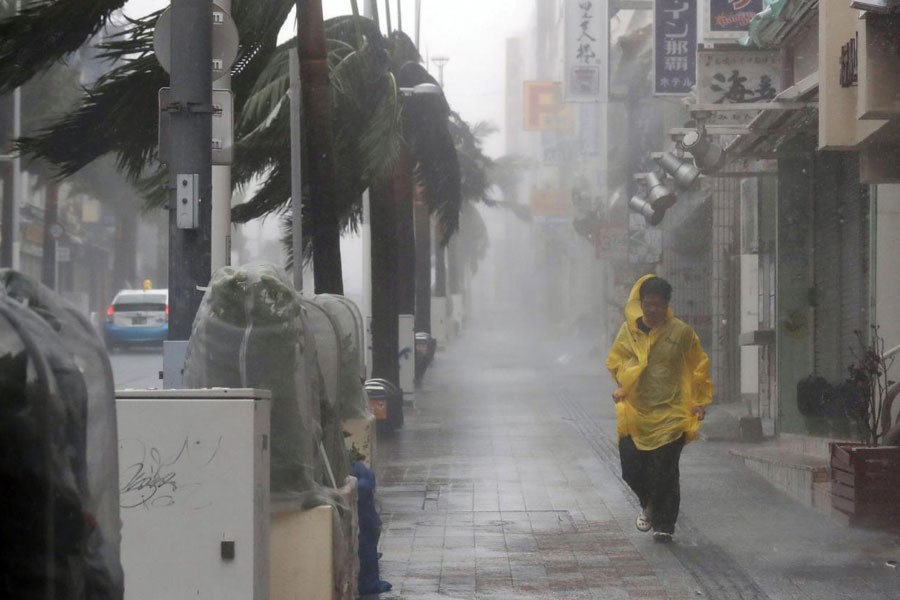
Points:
x=737 y=77
x=544 y=109
x=586 y=50
x=728 y=19
x=675 y=47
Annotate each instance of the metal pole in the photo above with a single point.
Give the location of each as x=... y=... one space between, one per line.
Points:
x=221 y=191
x=9 y=254
x=418 y=21
x=296 y=170
x=191 y=158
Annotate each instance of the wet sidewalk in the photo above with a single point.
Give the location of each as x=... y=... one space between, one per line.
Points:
x=504 y=483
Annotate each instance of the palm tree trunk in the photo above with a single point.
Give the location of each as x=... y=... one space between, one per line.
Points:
x=326 y=235
x=422 y=225
x=51 y=222
x=385 y=338
x=406 y=237
x=440 y=268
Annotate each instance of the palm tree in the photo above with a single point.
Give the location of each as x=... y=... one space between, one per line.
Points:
x=118 y=115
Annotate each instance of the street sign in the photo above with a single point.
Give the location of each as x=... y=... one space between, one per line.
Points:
x=674 y=47
x=222 y=126
x=224 y=41
x=728 y=77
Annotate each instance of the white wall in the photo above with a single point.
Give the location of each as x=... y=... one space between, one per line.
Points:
x=887 y=270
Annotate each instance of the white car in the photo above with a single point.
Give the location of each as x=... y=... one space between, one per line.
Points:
x=137 y=317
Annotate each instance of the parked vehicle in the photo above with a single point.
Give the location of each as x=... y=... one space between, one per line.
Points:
x=137 y=317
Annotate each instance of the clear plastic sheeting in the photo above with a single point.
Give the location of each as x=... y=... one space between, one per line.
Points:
x=252 y=330
x=58 y=464
x=348 y=326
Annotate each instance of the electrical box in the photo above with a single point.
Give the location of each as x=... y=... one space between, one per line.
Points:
x=194 y=493
x=187 y=200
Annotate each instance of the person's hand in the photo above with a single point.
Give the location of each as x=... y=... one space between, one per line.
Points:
x=700 y=411
x=618 y=395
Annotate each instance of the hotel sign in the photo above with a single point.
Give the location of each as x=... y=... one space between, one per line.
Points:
x=675 y=47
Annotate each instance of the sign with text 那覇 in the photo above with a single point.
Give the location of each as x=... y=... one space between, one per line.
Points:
x=674 y=47
x=586 y=60
x=728 y=19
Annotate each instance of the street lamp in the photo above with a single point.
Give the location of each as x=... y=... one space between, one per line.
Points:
x=708 y=157
x=650 y=214
x=440 y=60
x=682 y=171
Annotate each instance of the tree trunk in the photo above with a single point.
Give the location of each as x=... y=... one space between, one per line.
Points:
x=326 y=235
x=422 y=222
x=385 y=338
x=51 y=235
x=406 y=238
x=440 y=267
x=454 y=266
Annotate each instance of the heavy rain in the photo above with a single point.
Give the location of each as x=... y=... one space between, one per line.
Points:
x=418 y=299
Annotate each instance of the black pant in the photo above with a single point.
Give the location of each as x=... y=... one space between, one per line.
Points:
x=653 y=475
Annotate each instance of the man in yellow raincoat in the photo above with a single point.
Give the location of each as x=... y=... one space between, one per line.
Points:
x=663 y=388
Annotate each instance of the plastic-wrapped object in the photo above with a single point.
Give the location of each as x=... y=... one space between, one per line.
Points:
x=348 y=326
x=249 y=332
x=321 y=331
x=58 y=450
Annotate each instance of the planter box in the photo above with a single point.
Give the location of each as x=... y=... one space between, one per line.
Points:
x=865 y=484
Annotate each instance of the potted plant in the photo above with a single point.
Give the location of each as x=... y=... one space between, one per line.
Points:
x=866 y=475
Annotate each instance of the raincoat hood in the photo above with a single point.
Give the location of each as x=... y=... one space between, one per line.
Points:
x=633 y=305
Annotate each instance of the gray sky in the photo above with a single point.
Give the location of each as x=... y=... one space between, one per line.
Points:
x=472 y=33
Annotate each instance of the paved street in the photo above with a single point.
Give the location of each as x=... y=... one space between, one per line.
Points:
x=504 y=483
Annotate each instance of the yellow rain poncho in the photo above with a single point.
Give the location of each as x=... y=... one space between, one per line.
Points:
x=664 y=374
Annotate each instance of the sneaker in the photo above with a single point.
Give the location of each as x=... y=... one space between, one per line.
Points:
x=642 y=522
x=662 y=537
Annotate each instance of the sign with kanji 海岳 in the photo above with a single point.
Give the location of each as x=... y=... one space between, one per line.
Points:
x=737 y=77
x=586 y=59
x=728 y=19
x=675 y=47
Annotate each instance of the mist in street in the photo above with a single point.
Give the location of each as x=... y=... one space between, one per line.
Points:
x=491 y=300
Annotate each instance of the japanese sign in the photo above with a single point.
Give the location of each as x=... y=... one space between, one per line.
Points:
x=586 y=50
x=544 y=109
x=737 y=76
x=675 y=47
x=728 y=19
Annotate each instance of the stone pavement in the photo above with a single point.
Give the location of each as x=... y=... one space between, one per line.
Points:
x=504 y=484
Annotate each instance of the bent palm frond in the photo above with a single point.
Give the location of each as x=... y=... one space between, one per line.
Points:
x=45 y=32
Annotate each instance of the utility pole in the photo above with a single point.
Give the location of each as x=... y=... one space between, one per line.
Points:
x=190 y=201
x=9 y=252
x=220 y=231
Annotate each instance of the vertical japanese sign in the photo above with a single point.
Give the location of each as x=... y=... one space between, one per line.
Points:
x=675 y=47
x=728 y=19
x=586 y=50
